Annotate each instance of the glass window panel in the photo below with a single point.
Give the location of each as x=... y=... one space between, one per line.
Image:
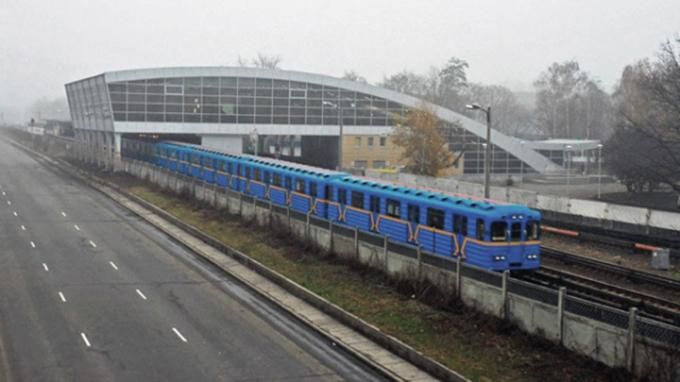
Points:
x=297 y=111
x=175 y=81
x=192 y=81
x=246 y=110
x=263 y=92
x=211 y=100
x=314 y=103
x=212 y=82
x=119 y=116
x=192 y=109
x=118 y=107
x=330 y=121
x=228 y=118
x=228 y=108
x=316 y=93
x=281 y=84
x=262 y=110
x=155 y=89
x=298 y=85
x=281 y=110
x=297 y=103
x=154 y=98
x=228 y=82
x=231 y=100
x=347 y=95
x=210 y=109
x=245 y=119
x=297 y=120
x=173 y=108
x=281 y=93
x=314 y=112
x=117 y=97
x=378 y=121
x=192 y=118
x=136 y=88
x=263 y=101
x=138 y=117
x=263 y=83
x=263 y=119
x=210 y=118
x=228 y=91
x=211 y=91
x=349 y=121
x=249 y=92
x=280 y=119
x=248 y=101
x=137 y=98
x=155 y=108
x=245 y=82
x=363 y=121
x=154 y=117
x=173 y=99
x=314 y=120
x=118 y=87
x=281 y=102
x=136 y=107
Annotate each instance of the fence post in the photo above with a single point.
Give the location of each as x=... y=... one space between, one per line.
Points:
x=561 y=293
x=307 y=233
x=630 y=352
x=356 y=243
x=504 y=291
x=385 y=253
x=458 y=278
x=288 y=217
x=330 y=231
x=271 y=214
x=419 y=253
x=240 y=206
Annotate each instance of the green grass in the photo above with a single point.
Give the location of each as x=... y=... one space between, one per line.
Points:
x=480 y=347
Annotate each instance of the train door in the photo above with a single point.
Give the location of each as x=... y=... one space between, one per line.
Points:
x=374 y=207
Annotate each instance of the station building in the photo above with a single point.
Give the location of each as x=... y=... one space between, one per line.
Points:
x=291 y=115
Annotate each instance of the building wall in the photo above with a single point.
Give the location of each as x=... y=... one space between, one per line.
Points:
x=370 y=151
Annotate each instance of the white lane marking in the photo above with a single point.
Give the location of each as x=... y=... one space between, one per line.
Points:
x=15 y=213
x=63 y=213
x=9 y=202
x=23 y=227
x=113 y=265
x=84 y=337
x=32 y=244
x=93 y=244
x=61 y=295
x=76 y=227
x=181 y=337
x=139 y=292
x=45 y=267
x=3 y=193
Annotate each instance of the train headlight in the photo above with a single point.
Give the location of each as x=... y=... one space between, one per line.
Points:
x=499 y=258
x=532 y=257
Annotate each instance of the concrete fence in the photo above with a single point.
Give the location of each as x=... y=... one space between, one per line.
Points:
x=600 y=215
x=614 y=337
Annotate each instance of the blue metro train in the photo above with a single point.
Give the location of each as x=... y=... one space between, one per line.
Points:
x=489 y=235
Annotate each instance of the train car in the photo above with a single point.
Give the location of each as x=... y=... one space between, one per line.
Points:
x=490 y=235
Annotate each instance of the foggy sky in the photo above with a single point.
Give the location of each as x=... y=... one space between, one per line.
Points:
x=48 y=43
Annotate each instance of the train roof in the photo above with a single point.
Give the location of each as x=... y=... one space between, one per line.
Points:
x=481 y=207
x=294 y=167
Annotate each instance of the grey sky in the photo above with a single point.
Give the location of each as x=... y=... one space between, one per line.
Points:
x=47 y=43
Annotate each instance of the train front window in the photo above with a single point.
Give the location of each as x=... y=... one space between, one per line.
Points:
x=533 y=231
x=357 y=199
x=499 y=231
x=393 y=208
x=516 y=231
x=435 y=218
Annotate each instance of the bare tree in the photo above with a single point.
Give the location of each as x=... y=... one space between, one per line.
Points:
x=354 y=76
x=261 y=61
x=511 y=116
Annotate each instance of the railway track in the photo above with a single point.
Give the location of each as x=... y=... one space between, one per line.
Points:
x=603 y=284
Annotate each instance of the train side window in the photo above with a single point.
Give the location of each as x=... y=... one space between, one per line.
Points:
x=435 y=218
x=479 y=229
x=312 y=189
x=533 y=231
x=357 y=199
x=457 y=223
x=516 y=231
x=499 y=231
x=208 y=163
x=413 y=213
x=342 y=196
x=247 y=171
x=289 y=182
x=277 y=179
x=256 y=173
x=374 y=204
x=393 y=208
x=300 y=185
x=328 y=192
x=267 y=177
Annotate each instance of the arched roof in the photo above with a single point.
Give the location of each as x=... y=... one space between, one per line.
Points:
x=512 y=145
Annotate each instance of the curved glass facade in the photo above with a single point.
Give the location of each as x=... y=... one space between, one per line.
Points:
x=247 y=100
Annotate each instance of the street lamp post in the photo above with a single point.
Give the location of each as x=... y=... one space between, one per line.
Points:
x=599 y=170
x=568 y=155
x=338 y=107
x=254 y=139
x=521 y=166
x=487 y=156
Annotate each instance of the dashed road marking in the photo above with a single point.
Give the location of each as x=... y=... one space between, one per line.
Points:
x=61 y=296
x=15 y=213
x=63 y=213
x=3 y=193
x=113 y=265
x=32 y=244
x=93 y=244
x=76 y=227
x=84 y=337
x=139 y=292
x=45 y=267
x=9 y=202
x=23 y=227
x=181 y=337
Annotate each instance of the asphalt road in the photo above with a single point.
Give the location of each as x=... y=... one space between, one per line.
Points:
x=89 y=292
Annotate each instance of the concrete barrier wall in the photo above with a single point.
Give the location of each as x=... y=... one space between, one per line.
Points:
x=599 y=340
x=601 y=215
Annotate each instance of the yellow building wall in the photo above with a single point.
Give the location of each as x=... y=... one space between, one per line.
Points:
x=357 y=152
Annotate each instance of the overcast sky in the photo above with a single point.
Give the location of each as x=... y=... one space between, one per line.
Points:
x=48 y=43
